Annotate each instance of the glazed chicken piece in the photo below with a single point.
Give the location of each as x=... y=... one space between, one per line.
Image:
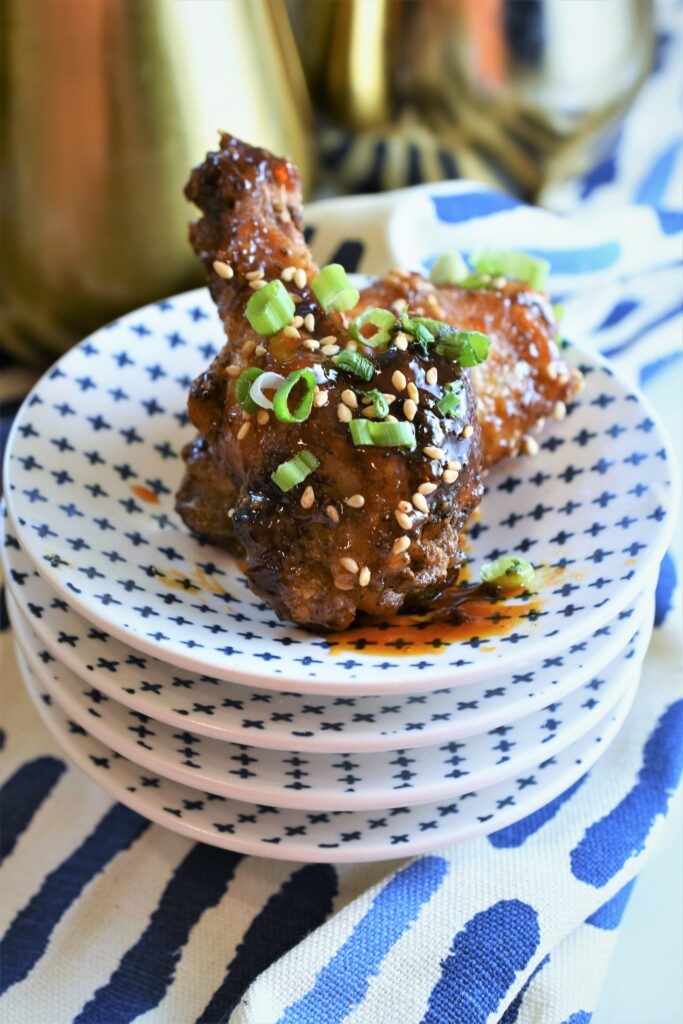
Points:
x=372 y=530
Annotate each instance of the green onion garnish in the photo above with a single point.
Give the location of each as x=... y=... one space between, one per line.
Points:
x=508 y=572
x=516 y=265
x=469 y=348
x=291 y=473
x=333 y=290
x=303 y=409
x=451 y=400
x=243 y=387
x=270 y=309
x=379 y=402
x=355 y=363
x=382 y=319
x=558 y=310
x=384 y=435
x=450 y=268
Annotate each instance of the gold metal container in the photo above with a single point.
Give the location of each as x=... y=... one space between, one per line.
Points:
x=106 y=105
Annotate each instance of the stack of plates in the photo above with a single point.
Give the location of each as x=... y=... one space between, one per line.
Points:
x=168 y=681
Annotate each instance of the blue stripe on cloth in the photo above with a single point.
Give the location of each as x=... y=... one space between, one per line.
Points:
x=580 y=1017
x=608 y=916
x=664 y=591
x=4 y=617
x=608 y=844
x=649 y=371
x=22 y=795
x=484 y=959
x=27 y=937
x=512 y=1013
x=670 y=221
x=452 y=209
x=298 y=908
x=146 y=970
x=618 y=313
x=642 y=331
x=602 y=174
x=518 y=833
x=654 y=185
x=580 y=261
x=342 y=983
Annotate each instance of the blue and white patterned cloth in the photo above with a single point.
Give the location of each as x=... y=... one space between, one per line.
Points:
x=106 y=918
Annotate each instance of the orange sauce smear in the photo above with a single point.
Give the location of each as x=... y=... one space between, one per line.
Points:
x=144 y=494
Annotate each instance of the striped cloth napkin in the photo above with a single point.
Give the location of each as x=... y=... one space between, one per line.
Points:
x=106 y=918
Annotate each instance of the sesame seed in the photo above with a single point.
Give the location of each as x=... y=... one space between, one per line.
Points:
x=369 y=413
x=404 y=521
x=262 y=417
x=551 y=371
x=562 y=378
x=454 y=464
x=390 y=419
x=398 y=305
x=539 y=425
x=432 y=375
x=247 y=415
x=364 y=576
x=344 y=413
x=400 y=544
x=331 y=513
x=260 y=350
x=413 y=392
x=432 y=452
x=351 y=346
x=285 y=216
x=257 y=285
x=486 y=278
x=427 y=488
x=329 y=339
x=233 y=371
x=311 y=344
x=298 y=321
x=223 y=270
x=288 y=273
x=398 y=379
x=244 y=430
x=389 y=398
x=499 y=282
x=409 y=409
x=309 y=323
x=248 y=348
x=307 y=498
x=300 y=278
x=401 y=341
x=344 y=584
x=420 y=503
x=405 y=506
x=290 y=332
x=329 y=350
x=348 y=397
x=254 y=275
x=449 y=476
x=559 y=410
x=530 y=445
x=231 y=513
x=321 y=399
x=355 y=501
x=350 y=564
x=468 y=431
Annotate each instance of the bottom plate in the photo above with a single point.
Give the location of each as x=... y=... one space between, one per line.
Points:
x=350 y=836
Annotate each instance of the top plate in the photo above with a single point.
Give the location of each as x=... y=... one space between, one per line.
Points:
x=93 y=462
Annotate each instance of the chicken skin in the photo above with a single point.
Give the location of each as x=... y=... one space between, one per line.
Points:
x=372 y=529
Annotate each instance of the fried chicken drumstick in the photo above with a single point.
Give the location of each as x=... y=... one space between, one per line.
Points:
x=372 y=528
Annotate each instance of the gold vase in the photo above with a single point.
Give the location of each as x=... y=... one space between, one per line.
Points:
x=106 y=105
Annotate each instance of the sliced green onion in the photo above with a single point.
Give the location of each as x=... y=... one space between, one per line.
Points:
x=243 y=387
x=382 y=319
x=451 y=400
x=474 y=281
x=354 y=363
x=508 y=572
x=270 y=309
x=469 y=348
x=333 y=290
x=450 y=268
x=384 y=435
x=558 y=310
x=291 y=473
x=281 y=398
x=379 y=402
x=517 y=265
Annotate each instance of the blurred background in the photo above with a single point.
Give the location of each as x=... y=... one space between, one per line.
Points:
x=107 y=104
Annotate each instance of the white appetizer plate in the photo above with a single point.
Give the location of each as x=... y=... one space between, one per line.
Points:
x=284 y=721
x=93 y=461
x=328 y=836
